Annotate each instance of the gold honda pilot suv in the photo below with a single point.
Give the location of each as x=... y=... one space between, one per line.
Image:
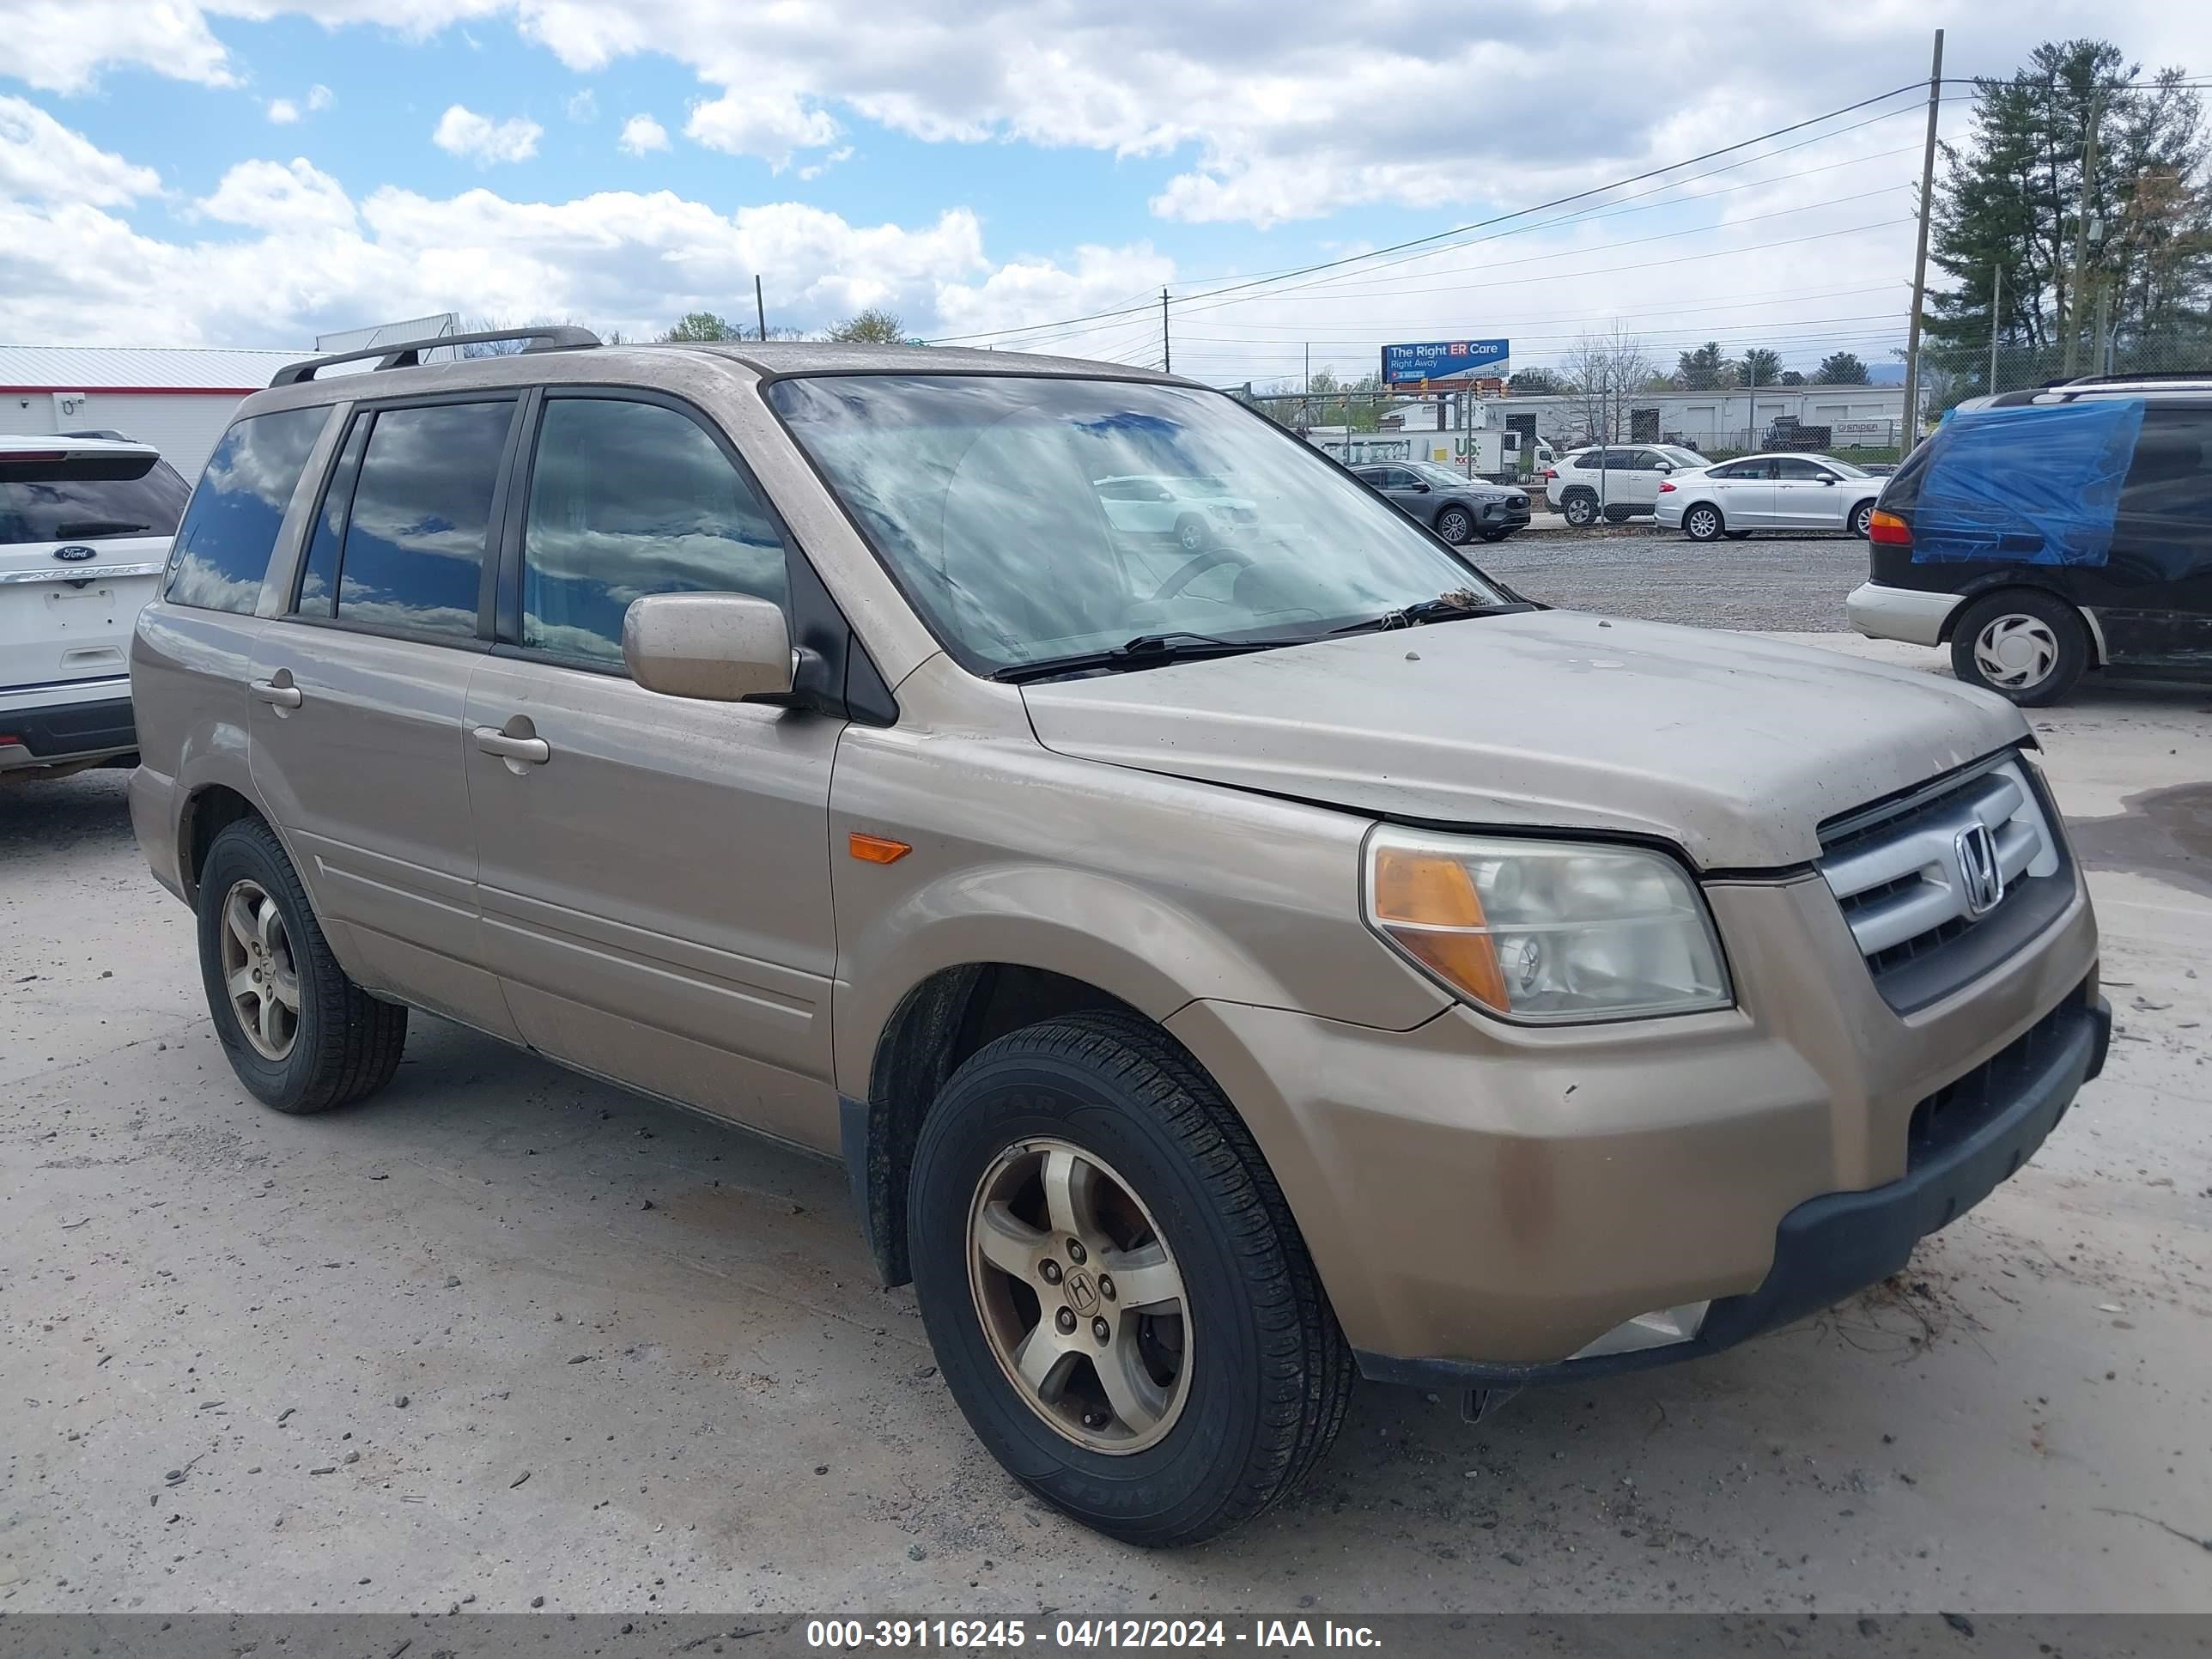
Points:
x=1229 y=957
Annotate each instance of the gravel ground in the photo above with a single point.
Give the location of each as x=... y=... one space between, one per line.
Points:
x=1782 y=583
x=505 y=1335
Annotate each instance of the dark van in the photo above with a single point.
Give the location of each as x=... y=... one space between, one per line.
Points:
x=2043 y=534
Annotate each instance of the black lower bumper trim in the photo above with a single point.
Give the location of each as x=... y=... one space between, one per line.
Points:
x=72 y=729
x=1832 y=1247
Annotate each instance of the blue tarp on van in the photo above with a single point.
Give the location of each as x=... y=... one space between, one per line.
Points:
x=2031 y=485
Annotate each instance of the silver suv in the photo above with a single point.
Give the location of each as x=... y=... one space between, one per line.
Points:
x=1222 y=971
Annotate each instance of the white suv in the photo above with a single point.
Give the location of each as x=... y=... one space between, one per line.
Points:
x=1614 y=481
x=85 y=525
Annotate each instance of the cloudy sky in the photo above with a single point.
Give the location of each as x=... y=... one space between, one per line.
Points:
x=255 y=171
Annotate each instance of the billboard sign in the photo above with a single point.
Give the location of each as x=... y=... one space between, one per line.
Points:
x=1446 y=361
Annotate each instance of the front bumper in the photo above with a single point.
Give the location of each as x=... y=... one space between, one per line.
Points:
x=1834 y=1246
x=52 y=725
x=1899 y=613
x=1487 y=1202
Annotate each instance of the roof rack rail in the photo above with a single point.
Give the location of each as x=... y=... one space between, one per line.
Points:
x=2129 y=380
x=408 y=354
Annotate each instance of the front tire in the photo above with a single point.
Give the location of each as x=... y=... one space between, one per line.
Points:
x=302 y=1036
x=1456 y=525
x=1863 y=519
x=1190 y=533
x=1703 y=522
x=1738 y=535
x=1067 y=1169
x=2031 y=648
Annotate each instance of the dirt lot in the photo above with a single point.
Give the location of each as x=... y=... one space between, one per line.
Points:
x=504 y=1333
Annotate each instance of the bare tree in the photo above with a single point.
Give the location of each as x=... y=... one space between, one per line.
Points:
x=1606 y=370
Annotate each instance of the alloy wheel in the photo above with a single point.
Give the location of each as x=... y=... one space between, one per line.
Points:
x=2016 y=652
x=1863 y=519
x=259 y=972
x=1704 y=524
x=1455 y=526
x=1080 y=1299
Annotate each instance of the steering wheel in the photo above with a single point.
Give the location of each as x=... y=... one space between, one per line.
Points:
x=1192 y=569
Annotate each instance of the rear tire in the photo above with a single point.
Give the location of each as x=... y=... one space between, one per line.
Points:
x=1246 y=1373
x=2028 y=646
x=1703 y=522
x=302 y=1036
x=1580 y=509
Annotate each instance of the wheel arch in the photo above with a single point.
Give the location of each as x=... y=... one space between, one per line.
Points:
x=1985 y=586
x=209 y=809
x=939 y=1022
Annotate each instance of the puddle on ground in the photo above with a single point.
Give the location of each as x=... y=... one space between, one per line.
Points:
x=2164 y=833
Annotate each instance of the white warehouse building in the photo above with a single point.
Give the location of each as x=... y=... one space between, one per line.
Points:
x=1854 y=415
x=178 y=399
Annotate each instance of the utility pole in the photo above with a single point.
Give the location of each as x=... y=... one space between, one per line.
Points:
x=1167 y=351
x=2070 y=317
x=2103 y=357
x=1920 y=256
x=760 y=305
x=1996 y=312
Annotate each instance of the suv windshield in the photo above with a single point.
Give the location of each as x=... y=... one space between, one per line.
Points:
x=983 y=494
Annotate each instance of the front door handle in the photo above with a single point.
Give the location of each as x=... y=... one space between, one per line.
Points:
x=283 y=696
x=493 y=741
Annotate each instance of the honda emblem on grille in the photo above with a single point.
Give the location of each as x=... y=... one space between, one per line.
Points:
x=1980 y=879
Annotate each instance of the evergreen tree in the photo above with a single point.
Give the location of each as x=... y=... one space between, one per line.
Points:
x=1840 y=368
x=2008 y=212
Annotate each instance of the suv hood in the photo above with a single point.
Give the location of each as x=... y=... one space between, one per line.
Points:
x=1732 y=747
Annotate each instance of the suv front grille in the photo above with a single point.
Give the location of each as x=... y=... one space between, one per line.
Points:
x=1914 y=879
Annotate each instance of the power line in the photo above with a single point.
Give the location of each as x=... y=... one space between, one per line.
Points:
x=1461 y=230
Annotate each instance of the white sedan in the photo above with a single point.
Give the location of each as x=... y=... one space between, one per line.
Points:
x=1800 y=493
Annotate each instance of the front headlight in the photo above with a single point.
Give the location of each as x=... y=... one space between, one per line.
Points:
x=1546 y=930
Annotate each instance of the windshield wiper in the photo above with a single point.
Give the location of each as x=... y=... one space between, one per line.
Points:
x=1145 y=651
x=98 y=528
x=1445 y=607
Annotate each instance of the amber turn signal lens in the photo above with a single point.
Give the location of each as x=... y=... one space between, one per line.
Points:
x=1890 y=530
x=877 y=850
x=1417 y=894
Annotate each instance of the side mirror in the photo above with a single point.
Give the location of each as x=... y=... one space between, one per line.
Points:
x=1419 y=488
x=1666 y=466
x=717 y=647
x=1827 y=477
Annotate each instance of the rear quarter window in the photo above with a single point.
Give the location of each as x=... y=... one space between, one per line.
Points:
x=88 y=498
x=222 y=547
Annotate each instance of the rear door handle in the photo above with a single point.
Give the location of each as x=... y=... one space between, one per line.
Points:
x=493 y=741
x=283 y=696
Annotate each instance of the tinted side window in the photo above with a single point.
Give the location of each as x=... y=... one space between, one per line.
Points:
x=318 y=580
x=628 y=499
x=415 y=540
x=1789 y=466
x=222 y=547
x=88 y=498
x=2171 y=476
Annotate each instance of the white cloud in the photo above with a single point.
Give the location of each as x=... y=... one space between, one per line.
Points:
x=584 y=105
x=462 y=131
x=1317 y=109
x=284 y=111
x=759 y=122
x=287 y=253
x=642 y=133
x=815 y=169
x=42 y=161
x=272 y=196
x=321 y=97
